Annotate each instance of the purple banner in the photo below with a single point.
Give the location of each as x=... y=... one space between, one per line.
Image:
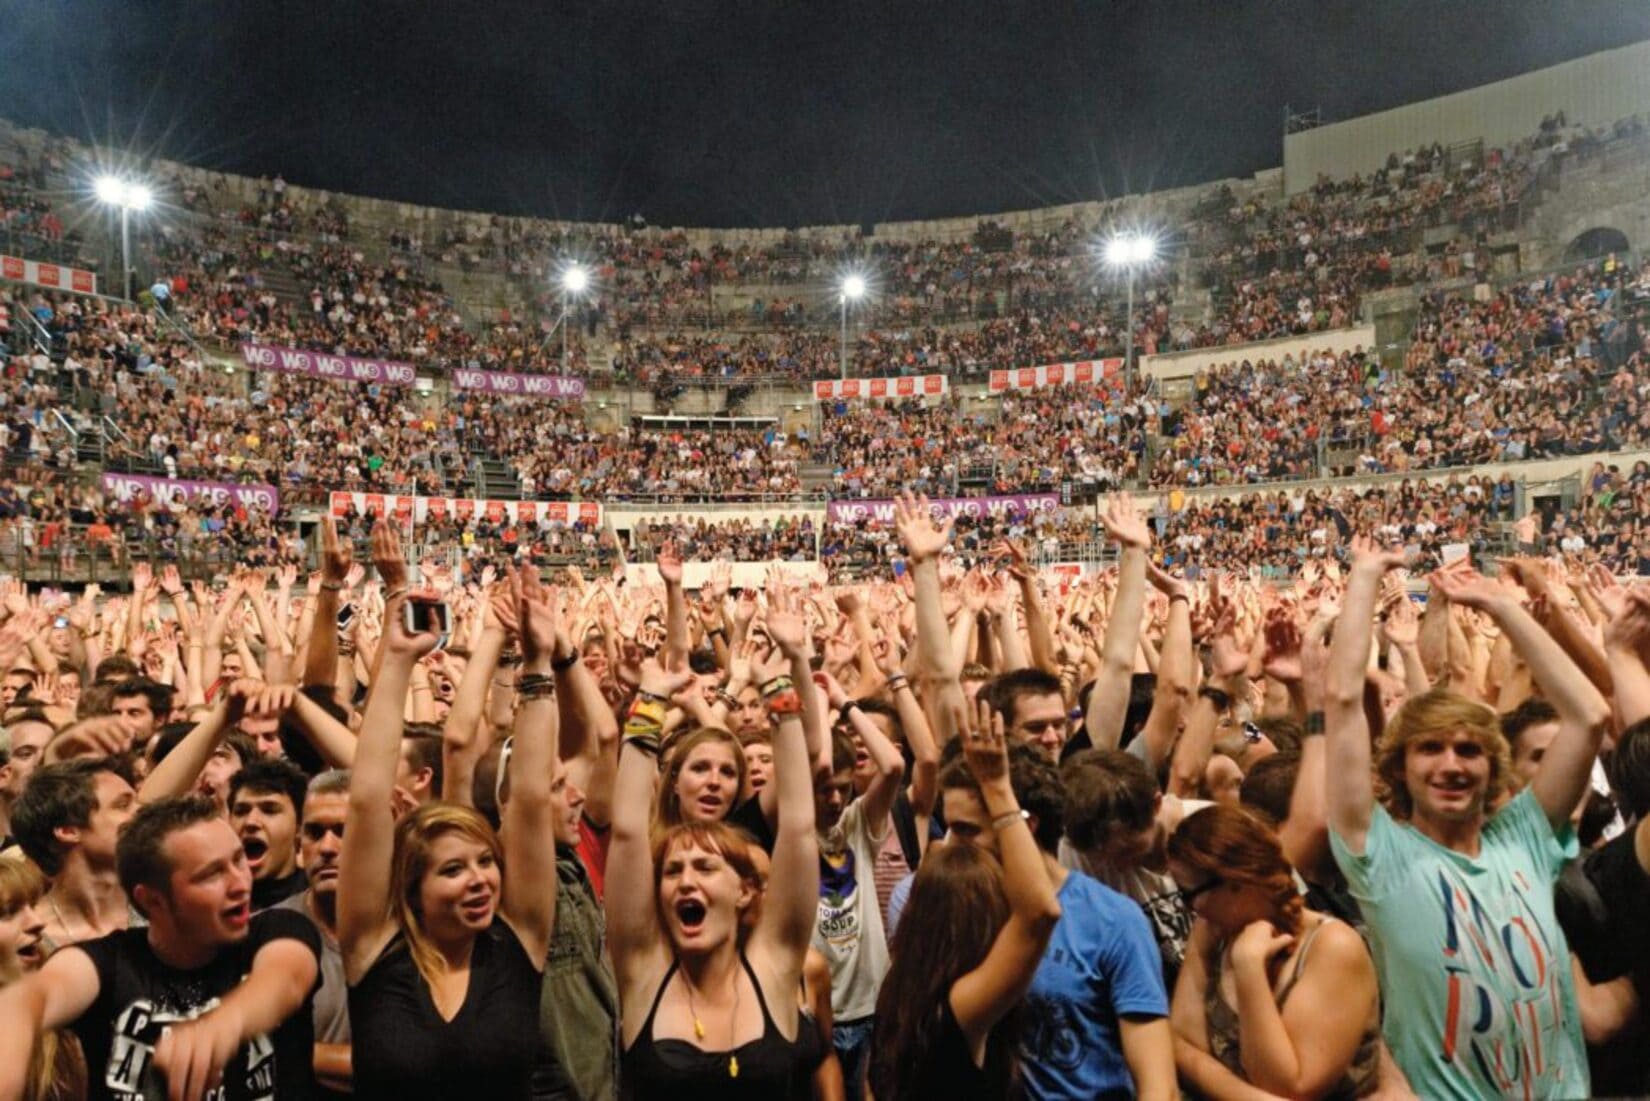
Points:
x=296 y=361
x=882 y=512
x=166 y=491
x=508 y=382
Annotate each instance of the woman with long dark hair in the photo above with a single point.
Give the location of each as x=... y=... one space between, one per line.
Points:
x=1271 y=996
x=444 y=928
x=967 y=946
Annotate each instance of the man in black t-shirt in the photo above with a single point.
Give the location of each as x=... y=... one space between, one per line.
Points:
x=208 y=999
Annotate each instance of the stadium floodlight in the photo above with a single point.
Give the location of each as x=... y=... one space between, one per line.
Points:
x=1130 y=252
x=575 y=280
x=127 y=196
x=854 y=287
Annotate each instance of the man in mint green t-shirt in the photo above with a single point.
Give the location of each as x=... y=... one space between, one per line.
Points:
x=1474 y=969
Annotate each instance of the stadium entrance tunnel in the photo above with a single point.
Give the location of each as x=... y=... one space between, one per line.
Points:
x=1596 y=242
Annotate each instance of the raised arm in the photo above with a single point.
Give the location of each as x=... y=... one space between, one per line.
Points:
x=321 y=659
x=669 y=562
x=1626 y=641
x=791 y=906
x=1583 y=713
x=1037 y=631
x=182 y=767
x=633 y=933
x=1175 y=670
x=1109 y=699
x=529 y=830
x=461 y=743
x=924 y=540
x=1351 y=792
x=364 y=924
x=985 y=995
x=885 y=756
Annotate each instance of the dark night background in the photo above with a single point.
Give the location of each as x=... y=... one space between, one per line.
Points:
x=762 y=113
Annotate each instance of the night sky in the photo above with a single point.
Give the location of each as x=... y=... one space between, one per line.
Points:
x=768 y=113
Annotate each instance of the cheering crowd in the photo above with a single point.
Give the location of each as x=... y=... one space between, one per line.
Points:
x=958 y=827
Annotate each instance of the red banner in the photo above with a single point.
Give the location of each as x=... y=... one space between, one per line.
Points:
x=876 y=389
x=1083 y=372
x=55 y=276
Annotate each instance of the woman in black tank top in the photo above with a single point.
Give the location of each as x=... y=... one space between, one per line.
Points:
x=443 y=955
x=707 y=987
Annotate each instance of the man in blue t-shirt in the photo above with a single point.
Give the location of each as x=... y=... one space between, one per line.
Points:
x=1096 y=1016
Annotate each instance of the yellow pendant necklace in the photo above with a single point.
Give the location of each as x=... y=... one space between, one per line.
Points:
x=699 y=1025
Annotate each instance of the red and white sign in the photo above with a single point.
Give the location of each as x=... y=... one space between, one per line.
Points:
x=41 y=274
x=422 y=509
x=1055 y=374
x=905 y=386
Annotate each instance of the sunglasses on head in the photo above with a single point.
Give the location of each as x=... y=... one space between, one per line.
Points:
x=1189 y=895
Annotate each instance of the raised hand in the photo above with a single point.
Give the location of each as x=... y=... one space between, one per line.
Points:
x=1402 y=625
x=143 y=578
x=1282 y=660
x=1370 y=556
x=1463 y=585
x=1124 y=523
x=922 y=538
x=335 y=553
x=985 y=746
x=669 y=562
x=170 y=583
x=785 y=624
x=387 y=557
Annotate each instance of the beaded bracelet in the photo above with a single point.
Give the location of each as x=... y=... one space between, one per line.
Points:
x=777 y=684
x=724 y=696
x=647 y=743
x=545 y=691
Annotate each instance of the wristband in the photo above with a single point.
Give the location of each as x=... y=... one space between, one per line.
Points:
x=510 y=659
x=1008 y=818
x=731 y=701
x=545 y=691
x=649 y=709
x=786 y=702
x=562 y=665
x=716 y=632
x=1179 y=596
x=647 y=743
x=644 y=696
x=393 y=593
x=1221 y=700
x=777 y=685
x=1314 y=724
x=529 y=681
x=332 y=586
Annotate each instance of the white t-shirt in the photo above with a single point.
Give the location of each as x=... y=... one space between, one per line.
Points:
x=848 y=932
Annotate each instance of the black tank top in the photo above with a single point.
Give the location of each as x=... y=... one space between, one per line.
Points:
x=405 y=1051
x=672 y=1070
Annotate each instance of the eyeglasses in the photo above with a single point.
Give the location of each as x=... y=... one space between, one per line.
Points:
x=1252 y=733
x=1189 y=895
x=315 y=831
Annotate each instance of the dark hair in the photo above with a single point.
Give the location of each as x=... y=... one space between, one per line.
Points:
x=423 y=751
x=1106 y=790
x=115 y=667
x=272 y=776
x=1004 y=693
x=1629 y=769
x=842 y=751
x=1269 y=785
x=140 y=857
x=62 y=794
x=703 y=662
x=159 y=695
x=1036 y=784
x=1284 y=731
x=1532 y=712
x=956 y=909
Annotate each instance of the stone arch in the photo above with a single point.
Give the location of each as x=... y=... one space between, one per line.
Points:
x=1596 y=242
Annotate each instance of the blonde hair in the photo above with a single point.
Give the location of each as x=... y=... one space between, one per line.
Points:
x=1432 y=714
x=415 y=835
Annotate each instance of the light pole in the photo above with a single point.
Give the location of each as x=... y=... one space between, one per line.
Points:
x=1131 y=252
x=129 y=196
x=574 y=280
x=853 y=289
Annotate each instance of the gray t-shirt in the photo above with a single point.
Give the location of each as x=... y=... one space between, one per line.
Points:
x=332 y=996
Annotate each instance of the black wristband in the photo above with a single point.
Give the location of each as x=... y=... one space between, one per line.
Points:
x=562 y=665
x=1314 y=724
x=1221 y=700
